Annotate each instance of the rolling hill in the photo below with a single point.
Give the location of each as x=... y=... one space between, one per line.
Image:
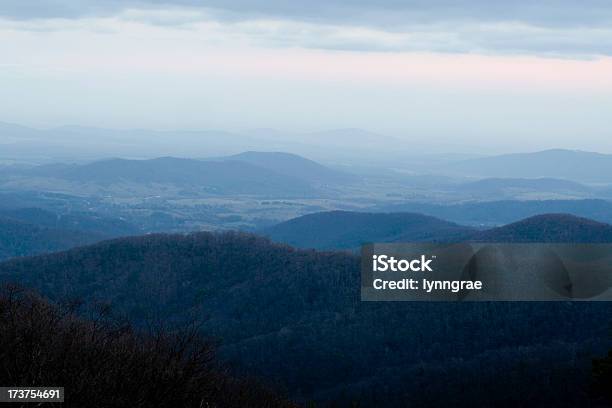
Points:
x=495 y=213
x=549 y=228
x=31 y=231
x=573 y=165
x=294 y=166
x=216 y=177
x=23 y=239
x=349 y=230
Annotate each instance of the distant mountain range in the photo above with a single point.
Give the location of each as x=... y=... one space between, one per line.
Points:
x=573 y=165
x=494 y=213
x=349 y=230
x=352 y=145
x=250 y=173
x=80 y=142
x=214 y=177
x=294 y=166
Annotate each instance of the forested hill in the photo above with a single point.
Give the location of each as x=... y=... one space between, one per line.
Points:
x=505 y=211
x=22 y=239
x=549 y=228
x=294 y=318
x=348 y=230
x=32 y=231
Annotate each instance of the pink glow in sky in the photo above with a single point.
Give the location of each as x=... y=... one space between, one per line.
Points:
x=122 y=71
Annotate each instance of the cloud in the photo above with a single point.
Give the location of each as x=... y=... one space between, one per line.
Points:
x=194 y=67
x=490 y=38
x=560 y=28
x=370 y=12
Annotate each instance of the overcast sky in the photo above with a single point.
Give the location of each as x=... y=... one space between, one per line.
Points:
x=514 y=75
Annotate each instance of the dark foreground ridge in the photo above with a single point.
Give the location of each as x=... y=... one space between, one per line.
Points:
x=294 y=319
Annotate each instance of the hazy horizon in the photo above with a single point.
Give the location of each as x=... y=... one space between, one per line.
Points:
x=268 y=140
x=472 y=79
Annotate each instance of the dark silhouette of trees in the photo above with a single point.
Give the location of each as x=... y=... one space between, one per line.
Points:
x=103 y=362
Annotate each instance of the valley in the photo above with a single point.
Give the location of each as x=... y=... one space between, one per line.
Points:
x=255 y=190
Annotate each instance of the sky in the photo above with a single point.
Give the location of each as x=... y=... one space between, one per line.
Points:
x=493 y=76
